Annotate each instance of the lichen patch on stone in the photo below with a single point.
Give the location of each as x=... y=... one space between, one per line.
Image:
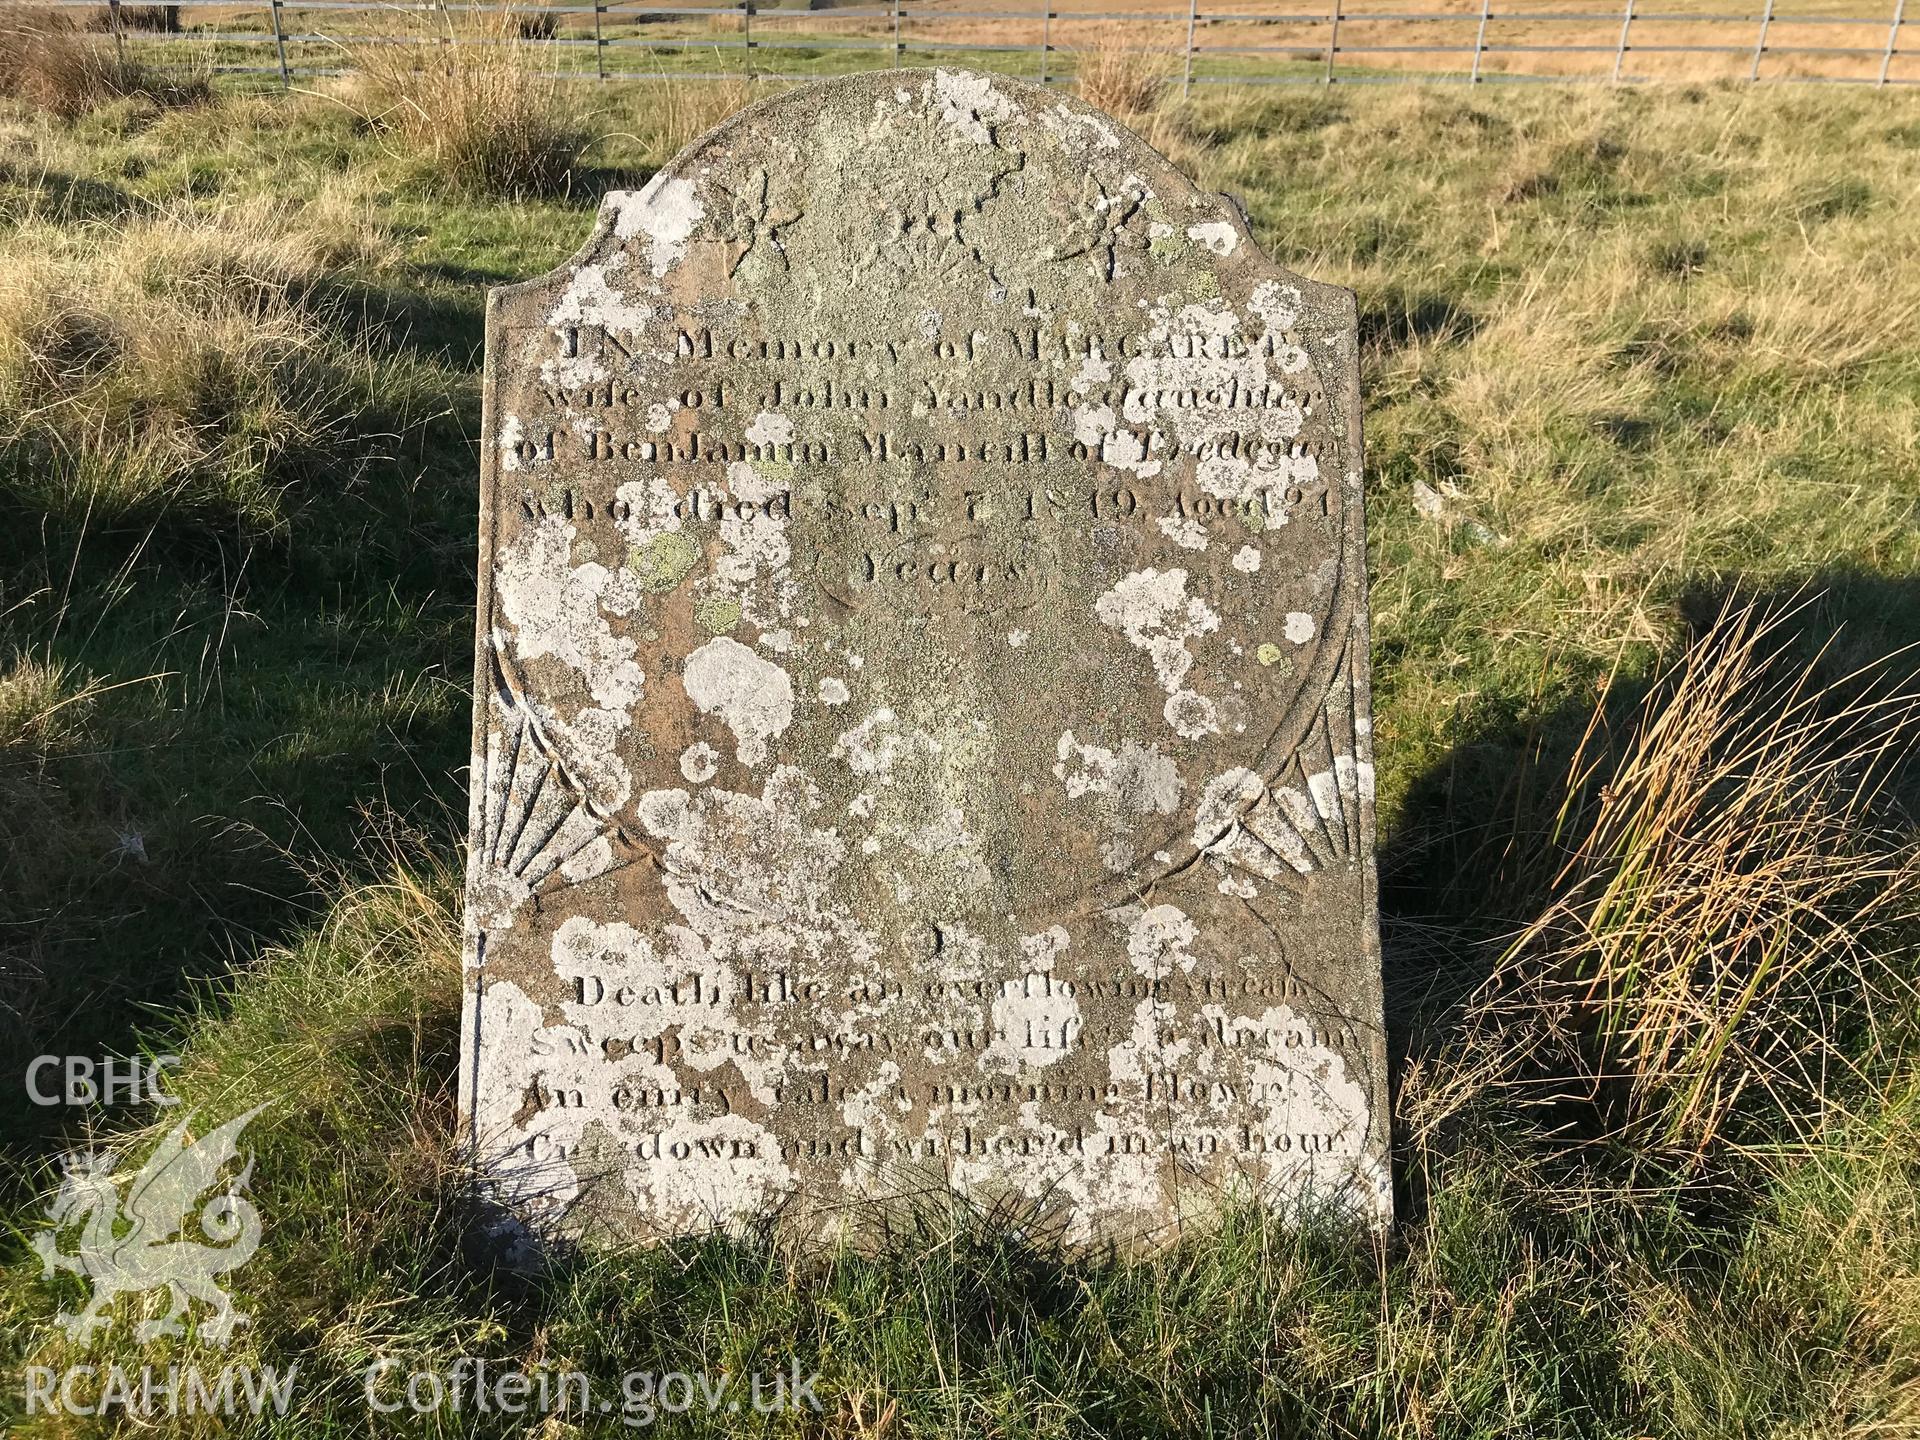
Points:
x=753 y=696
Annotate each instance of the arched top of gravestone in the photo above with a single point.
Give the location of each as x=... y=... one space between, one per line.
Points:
x=1096 y=450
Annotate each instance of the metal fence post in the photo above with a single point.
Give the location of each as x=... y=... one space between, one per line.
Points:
x=1333 y=40
x=1046 y=35
x=899 y=51
x=1480 y=40
x=599 y=44
x=1893 y=35
x=746 y=31
x=1620 y=55
x=1760 y=45
x=280 y=45
x=1193 y=20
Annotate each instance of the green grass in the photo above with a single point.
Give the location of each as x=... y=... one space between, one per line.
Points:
x=1627 y=355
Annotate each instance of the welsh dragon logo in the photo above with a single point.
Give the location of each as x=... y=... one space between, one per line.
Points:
x=144 y=1246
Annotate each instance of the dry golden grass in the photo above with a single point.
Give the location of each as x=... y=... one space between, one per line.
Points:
x=1122 y=72
x=42 y=708
x=1727 y=923
x=476 y=111
x=674 y=113
x=180 y=361
x=54 y=65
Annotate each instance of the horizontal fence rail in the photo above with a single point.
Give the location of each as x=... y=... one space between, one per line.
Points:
x=1474 y=43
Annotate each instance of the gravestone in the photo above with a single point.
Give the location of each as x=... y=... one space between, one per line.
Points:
x=921 y=742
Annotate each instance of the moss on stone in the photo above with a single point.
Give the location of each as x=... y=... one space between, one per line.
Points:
x=664 y=560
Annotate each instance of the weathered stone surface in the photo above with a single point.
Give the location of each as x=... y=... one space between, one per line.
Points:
x=921 y=735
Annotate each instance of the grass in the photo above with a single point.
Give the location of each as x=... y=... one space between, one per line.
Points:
x=477 y=110
x=1643 y=384
x=48 y=61
x=185 y=367
x=1120 y=74
x=672 y=116
x=1735 y=911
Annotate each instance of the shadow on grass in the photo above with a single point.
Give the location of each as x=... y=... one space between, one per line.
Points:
x=66 y=198
x=442 y=326
x=282 y=686
x=1399 y=320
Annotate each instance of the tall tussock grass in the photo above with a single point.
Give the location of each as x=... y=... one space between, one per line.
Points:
x=1735 y=906
x=158 y=19
x=1118 y=72
x=476 y=113
x=51 y=63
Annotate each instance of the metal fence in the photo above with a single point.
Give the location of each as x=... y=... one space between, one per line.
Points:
x=1461 y=41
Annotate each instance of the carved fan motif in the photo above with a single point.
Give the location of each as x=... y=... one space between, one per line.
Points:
x=542 y=832
x=1307 y=816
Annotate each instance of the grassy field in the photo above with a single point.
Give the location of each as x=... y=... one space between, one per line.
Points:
x=1643 y=402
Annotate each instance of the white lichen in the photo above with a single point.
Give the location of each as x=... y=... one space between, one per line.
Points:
x=1218 y=236
x=699 y=762
x=754 y=697
x=1153 y=610
x=666 y=212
